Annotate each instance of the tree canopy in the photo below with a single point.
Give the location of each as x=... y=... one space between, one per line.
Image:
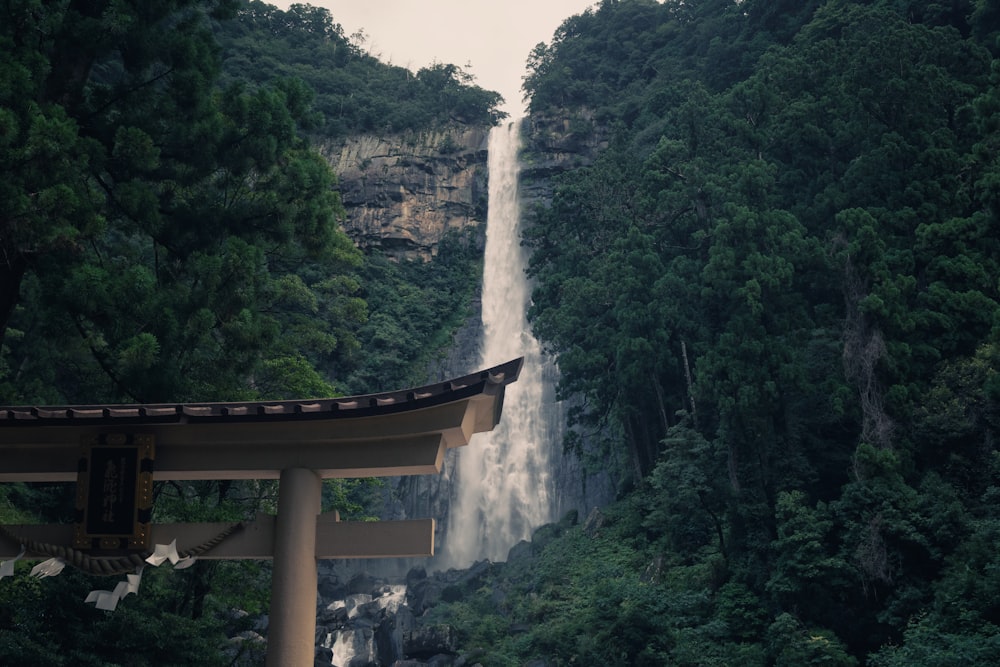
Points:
x=776 y=292
x=154 y=224
x=354 y=91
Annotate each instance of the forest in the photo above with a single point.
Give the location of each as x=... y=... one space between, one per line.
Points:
x=775 y=295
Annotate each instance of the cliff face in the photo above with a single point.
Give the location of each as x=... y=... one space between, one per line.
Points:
x=554 y=143
x=404 y=192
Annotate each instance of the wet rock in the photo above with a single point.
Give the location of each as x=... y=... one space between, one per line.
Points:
x=429 y=641
x=423 y=595
x=361 y=583
x=323 y=656
x=415 y=575
x=595 y=521
x=518 y=552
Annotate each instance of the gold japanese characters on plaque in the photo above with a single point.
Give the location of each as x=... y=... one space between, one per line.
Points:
x=114 y=492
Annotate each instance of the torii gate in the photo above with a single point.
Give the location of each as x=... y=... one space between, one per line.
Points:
x=298 y=442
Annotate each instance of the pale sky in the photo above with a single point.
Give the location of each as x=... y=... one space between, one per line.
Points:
x=493 y=36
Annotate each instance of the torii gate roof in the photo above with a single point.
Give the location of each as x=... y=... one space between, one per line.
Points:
x=393 y=433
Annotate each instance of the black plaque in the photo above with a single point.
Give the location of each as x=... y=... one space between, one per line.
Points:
x=114 y=493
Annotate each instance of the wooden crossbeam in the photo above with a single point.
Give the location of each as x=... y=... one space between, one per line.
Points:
x=58 y=461
x=391 y=434
x=334 y=538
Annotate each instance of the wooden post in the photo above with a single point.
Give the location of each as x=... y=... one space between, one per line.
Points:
x=291 y=634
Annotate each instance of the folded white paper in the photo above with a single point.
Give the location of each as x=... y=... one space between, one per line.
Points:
x=162 y=552
x=49 y=568
x=7 y=567
x=108 y=600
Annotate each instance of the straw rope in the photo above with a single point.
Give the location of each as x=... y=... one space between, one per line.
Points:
x=112 y=565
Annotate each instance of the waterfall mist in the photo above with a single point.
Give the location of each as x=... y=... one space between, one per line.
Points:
x=502 y=487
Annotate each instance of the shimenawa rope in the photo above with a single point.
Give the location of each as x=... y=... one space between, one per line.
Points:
x=112 y=565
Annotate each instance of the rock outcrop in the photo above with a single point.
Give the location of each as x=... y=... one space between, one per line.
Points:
x=387 y=625
x=404 y=192
x=368 y=621
x=554 y=143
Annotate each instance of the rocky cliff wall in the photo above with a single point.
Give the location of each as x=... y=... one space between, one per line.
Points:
x=404 y=192
x=554 y=143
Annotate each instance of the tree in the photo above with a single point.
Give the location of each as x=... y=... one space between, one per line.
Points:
x=355 y=92
x=814 y=228
x=152 y=216
x=71 y=68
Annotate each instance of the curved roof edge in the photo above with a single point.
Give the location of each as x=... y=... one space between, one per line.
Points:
x=488 y=381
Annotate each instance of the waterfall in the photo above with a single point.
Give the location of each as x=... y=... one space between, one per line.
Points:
x=502 y=490
x=346 y=644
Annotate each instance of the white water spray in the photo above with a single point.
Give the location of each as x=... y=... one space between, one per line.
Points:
x=349 y=642
x=503 y=481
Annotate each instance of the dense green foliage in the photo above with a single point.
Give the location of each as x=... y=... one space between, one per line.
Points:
x=415 y=308
x=162 y=233
x=115 y=162
x=779 y=285
x=355 y=92
x=169 y=233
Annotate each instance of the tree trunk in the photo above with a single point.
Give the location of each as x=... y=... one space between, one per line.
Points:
x=13 y=266
x=633 y=450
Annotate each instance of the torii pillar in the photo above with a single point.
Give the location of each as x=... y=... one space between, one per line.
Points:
x=292 y=627
x=300 y=443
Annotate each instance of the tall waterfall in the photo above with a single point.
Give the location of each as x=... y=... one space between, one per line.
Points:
x=503 y=487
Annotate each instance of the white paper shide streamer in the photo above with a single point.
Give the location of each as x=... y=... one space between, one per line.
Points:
x=164 y=552
x=49 y=568
x=7 y=567
x=108 y=600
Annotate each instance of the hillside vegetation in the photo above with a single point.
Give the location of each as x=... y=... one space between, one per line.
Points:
x=168 y=234
x=776 y=293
